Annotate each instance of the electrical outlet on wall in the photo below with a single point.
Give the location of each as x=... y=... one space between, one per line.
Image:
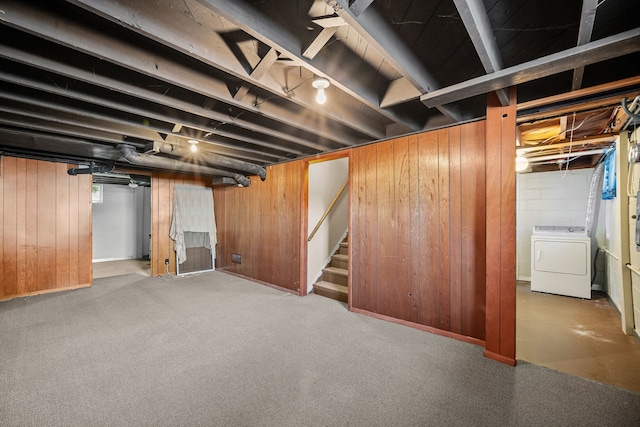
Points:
x=166 y=261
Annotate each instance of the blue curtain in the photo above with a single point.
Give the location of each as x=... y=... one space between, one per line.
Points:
x=609 y=181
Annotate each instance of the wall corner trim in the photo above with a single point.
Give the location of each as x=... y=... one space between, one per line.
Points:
x=500 y=358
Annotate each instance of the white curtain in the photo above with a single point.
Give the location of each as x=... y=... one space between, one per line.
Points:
x=193 y=223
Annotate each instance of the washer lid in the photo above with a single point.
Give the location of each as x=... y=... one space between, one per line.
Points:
x=562 y=230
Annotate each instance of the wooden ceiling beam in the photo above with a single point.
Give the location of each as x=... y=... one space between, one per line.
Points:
x=590 y=140
x=580 y=93
x=587 y=19
x=53 y=26
x=386 y=42
x=359 y=6
x=266 y=30
x=124 y=88
x=577 y=107
x=475 y=19
x=610 y=47
x=209 y=47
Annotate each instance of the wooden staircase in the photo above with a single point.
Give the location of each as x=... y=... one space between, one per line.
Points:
x=335 y=276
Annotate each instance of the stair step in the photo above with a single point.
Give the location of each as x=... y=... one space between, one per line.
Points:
x=335 y=275
x=337 y=271
x=340 y=261
x=343 y=249
x=331 y=290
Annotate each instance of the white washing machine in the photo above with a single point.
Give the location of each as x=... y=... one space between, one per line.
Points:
x=561 y=261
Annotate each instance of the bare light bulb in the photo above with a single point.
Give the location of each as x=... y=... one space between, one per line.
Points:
x=321 y=97
x=194 y=148
x=321 y=84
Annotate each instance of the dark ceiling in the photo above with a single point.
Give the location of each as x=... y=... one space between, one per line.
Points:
x=80 y=78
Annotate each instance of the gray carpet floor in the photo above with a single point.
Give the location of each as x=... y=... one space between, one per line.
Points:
x=216 y=350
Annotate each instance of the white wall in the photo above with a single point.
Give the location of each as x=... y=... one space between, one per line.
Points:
x=119 y=223
x=325 y=180
x=551 y=198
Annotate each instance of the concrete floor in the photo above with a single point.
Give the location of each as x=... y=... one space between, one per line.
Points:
x=576 y=336
x=118 y=268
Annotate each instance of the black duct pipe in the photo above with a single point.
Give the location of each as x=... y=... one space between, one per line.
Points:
x=213 y=159
x=629 y=113
x=133 y=157
x=91 y=170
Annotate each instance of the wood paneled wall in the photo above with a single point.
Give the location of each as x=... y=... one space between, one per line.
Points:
x=45 y=228
x=262 y=223
x=418 y=229
x=162 y=184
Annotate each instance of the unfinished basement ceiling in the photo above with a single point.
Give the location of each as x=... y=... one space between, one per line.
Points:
x=82 y=77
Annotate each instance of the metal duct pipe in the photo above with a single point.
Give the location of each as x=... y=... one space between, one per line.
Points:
x=213 y=159
x=133 y=157
x=91 y=170
x=628 y=110
x=632 y=111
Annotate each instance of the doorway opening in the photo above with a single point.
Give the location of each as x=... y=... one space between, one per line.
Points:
x=121 y=224
x=328 y=224
x=576 y=334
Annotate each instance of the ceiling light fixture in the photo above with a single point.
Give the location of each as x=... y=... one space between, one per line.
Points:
x=321 y=84
x=133 y=184
x=194 y=145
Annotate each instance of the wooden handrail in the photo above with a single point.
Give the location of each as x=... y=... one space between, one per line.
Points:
x=324 y=216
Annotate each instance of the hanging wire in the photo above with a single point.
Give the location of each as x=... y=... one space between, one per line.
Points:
x=573 y=127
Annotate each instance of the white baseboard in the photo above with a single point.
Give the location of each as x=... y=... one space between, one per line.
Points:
x=524 y=278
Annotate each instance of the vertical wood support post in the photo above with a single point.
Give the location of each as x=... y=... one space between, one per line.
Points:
x=623 y=242
x=501 y=230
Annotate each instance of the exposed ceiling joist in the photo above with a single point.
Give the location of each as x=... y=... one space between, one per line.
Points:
x=124 y=88
x=132 y=109
x=476 y=22
x=80 y=77
x=17 y=118
x=380 y=37
x=38 y=123
x=275 y=35
x=199 y=41
x=574 y=94
x=67 y=148
x=79 y=116
x=610 y=47
x=593 y=140
x=359 y=6
x=92 y=42
x=587 y=20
